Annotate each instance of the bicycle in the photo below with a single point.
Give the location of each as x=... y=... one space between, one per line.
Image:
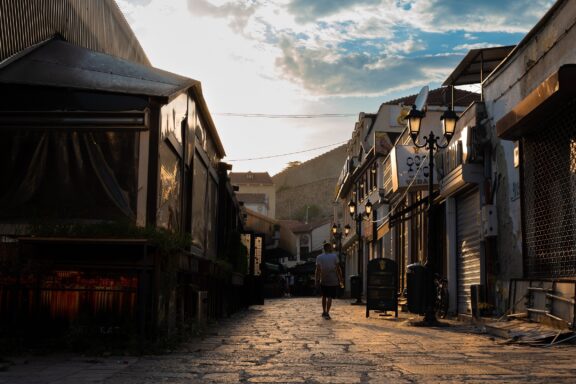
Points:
x=441 y=300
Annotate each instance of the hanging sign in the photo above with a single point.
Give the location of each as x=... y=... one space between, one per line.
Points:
x=409 y=167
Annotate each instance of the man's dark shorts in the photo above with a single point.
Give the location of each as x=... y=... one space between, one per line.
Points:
x=329 y=291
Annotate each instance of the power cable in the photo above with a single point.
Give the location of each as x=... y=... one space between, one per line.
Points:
x=291 y=153
x=286 y=116
x=405 y=192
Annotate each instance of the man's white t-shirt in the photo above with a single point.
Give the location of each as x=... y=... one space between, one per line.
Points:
x=328 y=263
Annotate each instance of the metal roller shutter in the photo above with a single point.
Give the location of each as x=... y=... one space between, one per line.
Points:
x=468 y=246
x=549 y=191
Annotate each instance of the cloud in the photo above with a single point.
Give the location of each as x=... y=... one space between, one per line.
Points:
x=309 y=11
x=239 y=13
x=477 y=16
x=358 y=74
x=411 y=44
x=139 y=2
x=467 y=47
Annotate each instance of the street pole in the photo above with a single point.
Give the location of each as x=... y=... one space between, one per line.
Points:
x=339 y=239
x=430 y=244
x=360 y=258
x=431 y=141
x=358 y=218
x=430 y=315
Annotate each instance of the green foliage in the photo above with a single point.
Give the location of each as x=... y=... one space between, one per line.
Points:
x=166 y=241
x=292 y=164
x=235 y=253
x=233 y=256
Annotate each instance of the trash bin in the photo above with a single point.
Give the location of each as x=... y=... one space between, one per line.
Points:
x=417 y=279
x=355 y=286
x=477 y=299
x=202 y=306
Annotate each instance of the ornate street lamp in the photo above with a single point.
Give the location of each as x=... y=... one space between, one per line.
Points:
x=337 y=237
x=358 y=218
x=431 y=142
x=337 y=241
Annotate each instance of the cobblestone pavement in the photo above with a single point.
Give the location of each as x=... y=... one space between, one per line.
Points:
x=287 y=341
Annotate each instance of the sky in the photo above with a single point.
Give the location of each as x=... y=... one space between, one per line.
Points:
x=285 y=80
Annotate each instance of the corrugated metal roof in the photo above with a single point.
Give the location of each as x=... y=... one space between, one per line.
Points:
x=477 y=65
x=57 y=63
x=441 y=96
x=99 y=25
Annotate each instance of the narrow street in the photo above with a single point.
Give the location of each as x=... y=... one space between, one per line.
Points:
x=287 y=341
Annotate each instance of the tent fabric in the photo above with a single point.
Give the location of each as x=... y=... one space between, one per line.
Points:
x=68 y=175
x=58 y=63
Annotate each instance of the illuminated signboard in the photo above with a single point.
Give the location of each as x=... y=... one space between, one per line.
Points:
x=409 y=167
x=258 y=245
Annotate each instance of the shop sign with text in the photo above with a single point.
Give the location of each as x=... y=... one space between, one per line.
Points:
x=409 y=168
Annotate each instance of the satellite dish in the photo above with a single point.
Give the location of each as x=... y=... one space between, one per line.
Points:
x=420 y=102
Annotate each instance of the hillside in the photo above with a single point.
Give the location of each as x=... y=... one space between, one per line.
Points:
x=310 y=184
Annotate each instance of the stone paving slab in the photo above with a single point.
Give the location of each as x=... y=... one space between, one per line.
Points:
x=287 y=341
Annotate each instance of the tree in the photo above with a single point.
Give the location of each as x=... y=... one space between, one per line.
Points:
x=292 y=164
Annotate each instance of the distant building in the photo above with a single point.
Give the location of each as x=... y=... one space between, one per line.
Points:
x=308 y=237
x=257 y=202
x=256 y=190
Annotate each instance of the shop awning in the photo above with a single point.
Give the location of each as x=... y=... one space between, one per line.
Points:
x=57 y=63
x=541 y=103
x=477 y=65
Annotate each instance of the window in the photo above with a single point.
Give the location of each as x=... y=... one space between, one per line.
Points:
x=199 y=202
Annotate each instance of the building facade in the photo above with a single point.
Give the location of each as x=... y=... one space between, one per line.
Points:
x=257 y=191
x=530 y=103
x=503 y=201
x=114 y=197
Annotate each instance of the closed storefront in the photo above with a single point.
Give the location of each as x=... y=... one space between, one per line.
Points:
x=549 y=175
x=468 y=236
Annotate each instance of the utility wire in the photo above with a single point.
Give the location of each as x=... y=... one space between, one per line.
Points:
x=405 y=193
x=287 y=116
x=291 y=153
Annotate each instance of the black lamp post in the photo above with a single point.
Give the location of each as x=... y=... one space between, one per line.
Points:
x=431 y=142
x=337 y=244
x=358 y=218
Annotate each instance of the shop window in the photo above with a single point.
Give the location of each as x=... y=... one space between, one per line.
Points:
x=199 y=187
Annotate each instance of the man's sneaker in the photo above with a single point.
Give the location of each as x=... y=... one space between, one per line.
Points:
x=324 y=314
x=327 y=316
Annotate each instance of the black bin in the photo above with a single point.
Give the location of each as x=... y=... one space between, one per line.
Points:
x=355 y=286
x=418 y=283
x=477 y=299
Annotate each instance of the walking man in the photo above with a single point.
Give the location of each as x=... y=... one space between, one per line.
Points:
x=329 y=276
